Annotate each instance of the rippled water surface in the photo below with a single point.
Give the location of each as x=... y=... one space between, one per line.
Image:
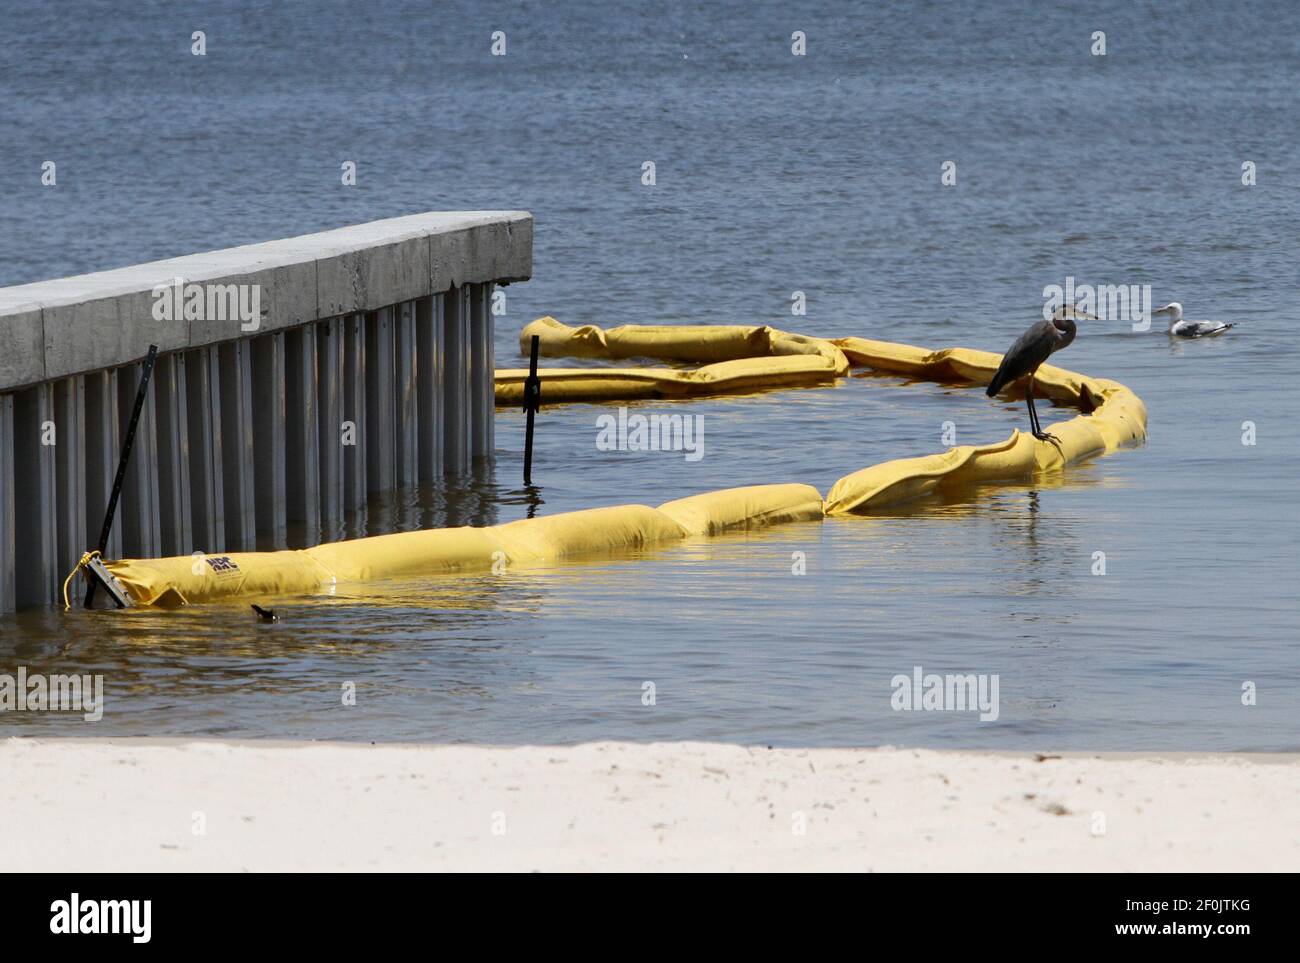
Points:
x=775 y=174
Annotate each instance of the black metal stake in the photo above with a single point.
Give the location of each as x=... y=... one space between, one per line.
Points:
x=121 y=464
x=532 y=404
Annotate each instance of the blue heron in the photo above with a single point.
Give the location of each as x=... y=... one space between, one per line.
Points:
x=1030 y=350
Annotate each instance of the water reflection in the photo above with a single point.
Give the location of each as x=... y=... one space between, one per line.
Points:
x=529 y=496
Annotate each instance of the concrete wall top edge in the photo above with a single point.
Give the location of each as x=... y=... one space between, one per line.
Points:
x=302 y=279
x=246 y=259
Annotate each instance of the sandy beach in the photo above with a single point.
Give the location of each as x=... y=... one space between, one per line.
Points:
x=114 y=805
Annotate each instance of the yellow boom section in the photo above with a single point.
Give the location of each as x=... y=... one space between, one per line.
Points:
x=733 y=358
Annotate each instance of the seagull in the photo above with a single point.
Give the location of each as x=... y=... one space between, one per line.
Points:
x=1190 y=329
x=1030 y=350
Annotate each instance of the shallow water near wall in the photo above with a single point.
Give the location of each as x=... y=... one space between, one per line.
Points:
x=774 y=175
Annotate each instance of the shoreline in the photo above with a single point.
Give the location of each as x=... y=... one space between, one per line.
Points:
x=164 y=804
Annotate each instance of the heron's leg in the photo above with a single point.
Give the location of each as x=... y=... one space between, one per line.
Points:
x=1029 y=403
x=1033 y=415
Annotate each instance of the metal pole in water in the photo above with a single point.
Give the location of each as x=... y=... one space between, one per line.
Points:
x=121 y=464
x=532 y=403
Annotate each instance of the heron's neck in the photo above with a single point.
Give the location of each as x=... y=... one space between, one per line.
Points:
x=1066 y=328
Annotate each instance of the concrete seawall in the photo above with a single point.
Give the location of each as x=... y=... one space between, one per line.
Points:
x=295 y=379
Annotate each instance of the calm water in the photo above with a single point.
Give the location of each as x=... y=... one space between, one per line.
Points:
x=774 y=174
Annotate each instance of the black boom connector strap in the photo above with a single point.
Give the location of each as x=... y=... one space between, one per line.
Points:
x=94 y=581
x=532 y=404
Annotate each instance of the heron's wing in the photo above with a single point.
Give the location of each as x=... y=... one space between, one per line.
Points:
x=1030 y=350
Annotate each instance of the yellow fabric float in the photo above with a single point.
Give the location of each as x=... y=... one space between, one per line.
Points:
x=1114 y=416
x=738 y=358
x=734 y=358
x=204 y=578
x=700 y=343
x=594 y=531
x=169 y=582
x=751 y=507
x=628 y=384
x=433 y=552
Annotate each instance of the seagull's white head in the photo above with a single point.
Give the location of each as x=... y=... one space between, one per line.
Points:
x=1173 y=308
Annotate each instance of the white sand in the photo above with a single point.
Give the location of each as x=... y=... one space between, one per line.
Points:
x=132 y=805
